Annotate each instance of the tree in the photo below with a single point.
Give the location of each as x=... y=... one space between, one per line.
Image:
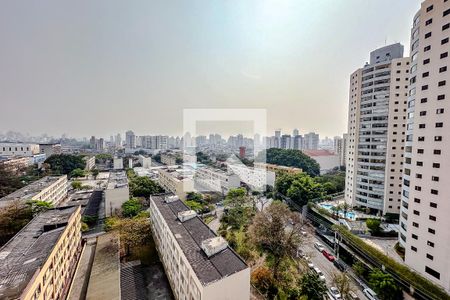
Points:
x=194 y=196
x=77 y=173
x=131 y=208
x=312 y=287
x=95 y=173
x=373 y=225
x=238 y=206
x=384 y=285
x=290 y=158
x=359 y=269
x=262 y=279
x=9 y=182
x=77 y=185
x=38 y=206
x=65 y=163
x=132 y=231
x=142 y=186
x=103 y=157
x=13 y=217
x=342 y=282
x=276 y=230
x=304 y=189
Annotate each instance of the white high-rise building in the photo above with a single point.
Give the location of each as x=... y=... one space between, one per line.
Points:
x=311 y=141
x=424 y=218
x=376 y=131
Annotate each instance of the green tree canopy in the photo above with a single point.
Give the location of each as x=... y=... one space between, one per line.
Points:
x=239 y=208
x=373 y=225
x=312 y=287
x=131 y=208
x=141 y=186
x=384 y=285
x=65 y=163
x=76 y=185
x=303 y=189
x=77 y=173
x=290 y=158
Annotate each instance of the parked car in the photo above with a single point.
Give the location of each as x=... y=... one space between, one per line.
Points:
x=370 y=294
x=319 y=246
x=328 y=255
x=352 y=295
x=311 y=265
x=335 y=293
x=318 y=272
x=339 y=265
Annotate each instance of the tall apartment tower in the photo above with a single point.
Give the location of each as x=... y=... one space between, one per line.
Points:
x=376 y=131
x=424 y=219
x=130 y=139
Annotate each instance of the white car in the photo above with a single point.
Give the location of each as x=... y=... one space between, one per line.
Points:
x=335 y=293
x=310 y=265
x=318 y=272
x=319 y=246
x=370 y=294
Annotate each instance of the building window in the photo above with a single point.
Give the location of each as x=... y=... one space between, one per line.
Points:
x=438 y=138
x=428 y=34
x=446 y=13
x=413 y=248
x=415 y=224
x=434 y=192
x=441 y=83
x=416 y=212
x=431 y=230
x=434 y=178
x=442 y=69
x=439 y=125
x=416 y=200
x=424 y=87
x=439 y=111
x=444 y=41
x=437 y=152
x=433 y=273
x=428 y=22
x=441 y=97
x=423 y=100
x=421 y=126
x=436 y=165
x=427 y=61
x=444 y=55
x=414 y=236
x=429 y=256
x=432 y=218
x=446 y=26
x=433 y=204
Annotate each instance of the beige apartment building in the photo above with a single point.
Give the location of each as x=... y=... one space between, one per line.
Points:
x=424 y=218
x=376 y=131
x=176 y=181
x=198 y=264
x=51 y=189
x=277 y=168
x=168 y=159
x=38 y=262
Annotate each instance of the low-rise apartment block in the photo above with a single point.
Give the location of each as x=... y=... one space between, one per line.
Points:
x=177 y=181
x=146 y=162
x=51 y=189
x=198 y=264
x=277 y=168
x=216 y=180
x=18 y=149
x=39 y=261
x=168 y=159
x=255 y=178
x=15 y=164
x=116 y=193
x=49 y=149
x=90 y=163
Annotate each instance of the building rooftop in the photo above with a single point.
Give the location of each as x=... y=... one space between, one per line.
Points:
x=190 y=234
x=318 y=152
x=28 y=250
x=117 y=180
x=29 y=191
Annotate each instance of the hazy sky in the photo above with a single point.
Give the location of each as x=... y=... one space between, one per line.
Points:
x=100 y=67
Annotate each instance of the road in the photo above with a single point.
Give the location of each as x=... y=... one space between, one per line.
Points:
x=323 y=263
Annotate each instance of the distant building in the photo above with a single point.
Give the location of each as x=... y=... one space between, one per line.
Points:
x=277 y=168
x=116 y=193
x=168 y=159
x=198 y=264
x=50 y=189
x=297 y=142
x=146 y=162
x=130 y=139
x=118 y=163
x=176 y=181
x=339 y=145
x=255 y=178
x=311 y=141
x=326 y=159
x=242 y=152
x=49 y=149
x=286 y=142
x=15 y=164
x=39 y=261
x=18 y=149
x=90 y=162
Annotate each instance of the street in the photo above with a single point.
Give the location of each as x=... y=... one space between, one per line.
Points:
x=320 y=261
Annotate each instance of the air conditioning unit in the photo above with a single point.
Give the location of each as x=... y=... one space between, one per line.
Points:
x=186 y=215
x=214 y=245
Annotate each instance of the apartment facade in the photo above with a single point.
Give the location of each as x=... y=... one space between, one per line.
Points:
x=277 y=168
x=424 y=220
x=216 y=180
x=376 y=131
x=50 y=189
x=18 y=149
x=39 y=262
x=176 y=182
x=198 y=264
x=116 y=193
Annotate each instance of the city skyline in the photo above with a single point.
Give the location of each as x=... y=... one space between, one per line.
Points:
x=98 y=73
